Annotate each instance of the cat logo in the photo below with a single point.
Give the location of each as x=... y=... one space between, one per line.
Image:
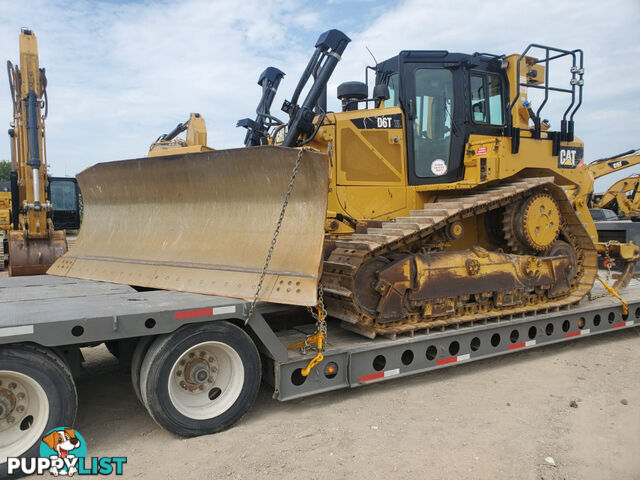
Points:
x=618 y=164
x=570 y=157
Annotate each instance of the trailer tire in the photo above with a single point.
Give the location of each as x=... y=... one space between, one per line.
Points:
x=136 y=363
x=200 y=379
x=38 y=380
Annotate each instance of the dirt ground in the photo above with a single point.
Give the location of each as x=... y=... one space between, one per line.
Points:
x=494 y=419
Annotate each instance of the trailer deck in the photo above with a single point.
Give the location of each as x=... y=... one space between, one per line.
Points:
x=57 y=311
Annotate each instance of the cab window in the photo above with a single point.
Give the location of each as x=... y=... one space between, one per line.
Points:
x=394 y=91
x=486 y=99
x=63 y=195
x=432 y=122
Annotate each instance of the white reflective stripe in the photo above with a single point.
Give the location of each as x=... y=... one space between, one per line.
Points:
x=530 y=343
x=466 y=356
x=585 y=331
x=629 y=323
x=221 y=310
x=391 y=373
x=13 y=331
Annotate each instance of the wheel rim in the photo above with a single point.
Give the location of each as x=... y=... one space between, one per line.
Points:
x=24 y=412
x=206 y=380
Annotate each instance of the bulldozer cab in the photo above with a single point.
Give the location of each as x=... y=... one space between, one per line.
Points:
x=445 y=97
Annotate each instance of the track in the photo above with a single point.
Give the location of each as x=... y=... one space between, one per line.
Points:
x=414 y=232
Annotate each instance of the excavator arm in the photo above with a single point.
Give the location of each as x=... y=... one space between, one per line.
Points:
x=622 y=196
x=33 y=242
x=605 y=166
x=195 y=139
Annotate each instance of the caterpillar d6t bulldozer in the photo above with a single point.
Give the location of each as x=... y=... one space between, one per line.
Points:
x=442 y=198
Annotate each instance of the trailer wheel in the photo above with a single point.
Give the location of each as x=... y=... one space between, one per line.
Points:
x=200 y=379
x=136 y=363
x=37 y=394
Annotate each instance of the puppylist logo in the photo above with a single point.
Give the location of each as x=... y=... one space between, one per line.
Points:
x=63 y=451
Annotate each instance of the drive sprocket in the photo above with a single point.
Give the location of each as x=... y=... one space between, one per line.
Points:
x=533 y=224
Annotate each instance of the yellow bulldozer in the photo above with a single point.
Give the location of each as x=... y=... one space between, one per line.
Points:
x=443 y=198
x=37 y=201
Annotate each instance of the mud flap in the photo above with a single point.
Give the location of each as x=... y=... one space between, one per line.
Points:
x=203 y=223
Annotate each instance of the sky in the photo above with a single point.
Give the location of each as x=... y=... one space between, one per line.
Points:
x=120 y=73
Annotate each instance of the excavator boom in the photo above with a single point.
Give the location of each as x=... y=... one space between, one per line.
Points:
x=33 y=243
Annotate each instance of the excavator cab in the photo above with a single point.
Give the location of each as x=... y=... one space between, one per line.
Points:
x=65 y=200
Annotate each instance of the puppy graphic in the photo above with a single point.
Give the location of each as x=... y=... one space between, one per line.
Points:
x=62 y=442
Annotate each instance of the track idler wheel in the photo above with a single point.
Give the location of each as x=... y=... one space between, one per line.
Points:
x=562 y=248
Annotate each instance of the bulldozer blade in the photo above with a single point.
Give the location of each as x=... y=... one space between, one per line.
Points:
x=203 y=223
x=34 y=256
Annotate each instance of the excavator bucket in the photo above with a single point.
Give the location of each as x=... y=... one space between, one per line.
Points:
x=203 y=223
x=34 y=256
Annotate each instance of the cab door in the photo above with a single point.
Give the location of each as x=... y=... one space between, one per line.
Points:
x=434 y=115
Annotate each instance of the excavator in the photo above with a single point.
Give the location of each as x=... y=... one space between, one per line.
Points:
x=195 y=139
x=442 y=199
x=33 y=242
x=622 y=197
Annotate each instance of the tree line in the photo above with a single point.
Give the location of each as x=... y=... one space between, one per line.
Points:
x=5 y=170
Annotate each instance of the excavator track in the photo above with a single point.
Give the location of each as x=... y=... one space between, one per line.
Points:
x=359 y=251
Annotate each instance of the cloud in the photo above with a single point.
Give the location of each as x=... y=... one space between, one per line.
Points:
x=120 y=74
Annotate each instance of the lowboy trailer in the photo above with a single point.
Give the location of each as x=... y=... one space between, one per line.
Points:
x=197 y=367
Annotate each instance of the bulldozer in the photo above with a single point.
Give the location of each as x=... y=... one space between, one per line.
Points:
x=33 y=242
x=442 y=199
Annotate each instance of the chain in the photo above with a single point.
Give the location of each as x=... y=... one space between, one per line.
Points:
x=274 y=239
x=608 y=263
x=607 y=260
x=319 y=312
